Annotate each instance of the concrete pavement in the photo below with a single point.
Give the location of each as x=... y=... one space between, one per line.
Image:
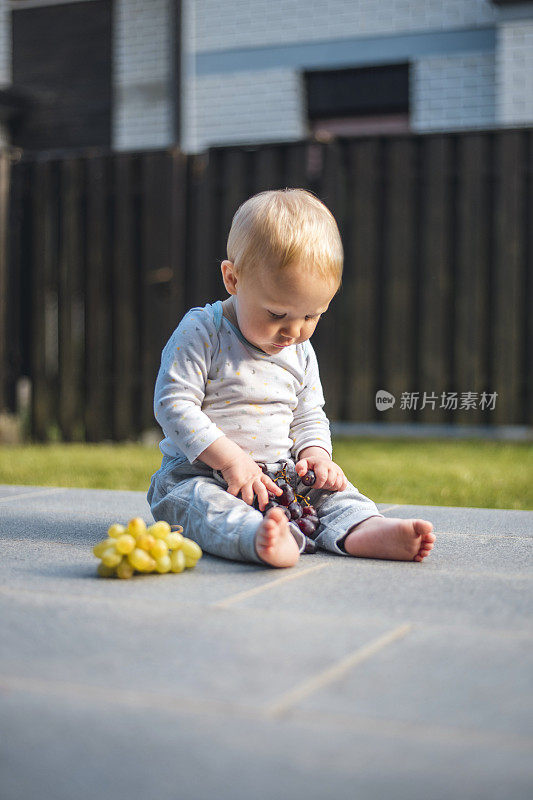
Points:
x=341 y=677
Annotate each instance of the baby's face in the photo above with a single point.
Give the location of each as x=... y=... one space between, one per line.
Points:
x=276 y=312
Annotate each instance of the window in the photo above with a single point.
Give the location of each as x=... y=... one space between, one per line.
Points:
x=62 y=65
x=358 y=101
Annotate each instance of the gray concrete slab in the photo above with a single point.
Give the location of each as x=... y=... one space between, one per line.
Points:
x=475 y=521
x=69 y=515
x=409 y=593
x=81 y=748
x=457 y=693
x=353 y=677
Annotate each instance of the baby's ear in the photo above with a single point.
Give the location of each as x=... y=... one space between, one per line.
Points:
x=229 y=276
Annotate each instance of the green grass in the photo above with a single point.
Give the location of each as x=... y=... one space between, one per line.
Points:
x=440 y=473
x=429 y=472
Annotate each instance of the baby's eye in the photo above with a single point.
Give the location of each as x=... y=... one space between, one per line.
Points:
x=280 y=316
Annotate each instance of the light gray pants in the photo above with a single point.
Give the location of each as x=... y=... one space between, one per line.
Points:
x=194 y=496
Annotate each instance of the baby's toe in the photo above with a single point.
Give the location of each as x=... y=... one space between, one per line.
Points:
x=275 y=515
x=269 y=533
x=423 y=527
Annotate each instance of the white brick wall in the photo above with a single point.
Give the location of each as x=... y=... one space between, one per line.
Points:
x=249 y=23
x=448 y=93
x=514 y=60
x=5 y=57
x=449 y=90
x=141 y=66
x=453 y=92
x=249 y=106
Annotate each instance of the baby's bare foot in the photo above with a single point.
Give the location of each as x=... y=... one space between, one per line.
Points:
x=396 y=539
x=274 y=542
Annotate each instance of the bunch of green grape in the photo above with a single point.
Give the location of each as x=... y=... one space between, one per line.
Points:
x=136 y=548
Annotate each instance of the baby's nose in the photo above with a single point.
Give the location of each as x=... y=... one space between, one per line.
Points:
x=291 y=331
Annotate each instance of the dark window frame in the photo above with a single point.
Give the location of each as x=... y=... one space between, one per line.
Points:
x=357 y=91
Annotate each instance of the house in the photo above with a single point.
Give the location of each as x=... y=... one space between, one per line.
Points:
x=140 y=74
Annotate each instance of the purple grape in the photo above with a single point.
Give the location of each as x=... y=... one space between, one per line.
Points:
x=309 y=478
x=308 y=511
x=269 y=505
x=306 y=526
x=314 y=519
x=310 y=545
x=295 y=509
x=286 y=511
x=287 y=497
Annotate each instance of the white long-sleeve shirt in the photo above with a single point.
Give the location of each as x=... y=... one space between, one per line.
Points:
x=213 y=382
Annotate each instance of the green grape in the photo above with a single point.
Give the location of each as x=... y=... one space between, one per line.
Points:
x=111 y=558
x=159 y=529
x=163 y=564
x=105 y=572
x=159 y=549
x=140 y=560
x=191 y=551
x=125 y=543
x=145 y=541
x=124 y=569
x=136 y=526
x=116 y=530
x=175 y=540
x=150 y=567
x=102 y=546
x=177 y=561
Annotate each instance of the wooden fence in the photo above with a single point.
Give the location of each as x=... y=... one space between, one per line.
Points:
x=102 y=253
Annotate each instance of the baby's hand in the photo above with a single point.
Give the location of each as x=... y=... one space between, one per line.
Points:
x=328 y=474
x=245 y=476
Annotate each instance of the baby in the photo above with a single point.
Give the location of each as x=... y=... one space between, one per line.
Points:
x=239 y=389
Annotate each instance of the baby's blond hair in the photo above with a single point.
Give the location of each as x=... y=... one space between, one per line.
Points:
x=279 y=228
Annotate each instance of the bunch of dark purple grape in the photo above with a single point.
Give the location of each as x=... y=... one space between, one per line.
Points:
x=296 y=507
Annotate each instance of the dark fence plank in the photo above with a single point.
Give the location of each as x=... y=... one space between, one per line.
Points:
x=202 y=202
x=267 y=169
x=156 y=275
x=126 y=345
x=44 y=305
x=18 y=299
x=435 y=280
x=177 y=290
x=71 y=353
x=360 y=281
x=330 y=340
x=398 y=294
x=509 y=269
x=98 y=303
x=233 y=191
x=295 y=165
x=5 y=168
x=471 y=312
x=527 y=361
